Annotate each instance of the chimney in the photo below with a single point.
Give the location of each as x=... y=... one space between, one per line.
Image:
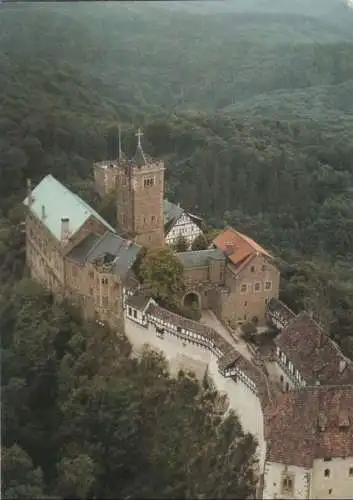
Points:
x=342 y=365
x=65 y=229
x=43 y=212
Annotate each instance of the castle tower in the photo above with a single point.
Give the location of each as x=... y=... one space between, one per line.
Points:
x=140 y=194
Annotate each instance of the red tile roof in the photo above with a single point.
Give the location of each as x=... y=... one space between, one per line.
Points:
x=313 y=353
x=238 y=247
x=312 y=423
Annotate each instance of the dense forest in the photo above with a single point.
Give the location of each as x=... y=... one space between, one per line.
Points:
x=251 y=107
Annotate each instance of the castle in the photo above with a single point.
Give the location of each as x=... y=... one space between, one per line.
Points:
x=300 y=393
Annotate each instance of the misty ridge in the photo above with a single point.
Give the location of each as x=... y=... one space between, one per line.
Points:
x=249 y=104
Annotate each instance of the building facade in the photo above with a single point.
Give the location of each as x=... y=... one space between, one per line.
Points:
x=306 y=355
x=143 y=214
x=235 y=278
x=179 y=223
x=309 y=438
x=75 y=253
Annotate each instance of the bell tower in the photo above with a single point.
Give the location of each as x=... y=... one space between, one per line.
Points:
x=140 y=194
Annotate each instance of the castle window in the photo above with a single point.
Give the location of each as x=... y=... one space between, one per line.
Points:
x=130 y=311
x=327 y=459
x=287 y=484
x=252 y=269
x=351 y=472
x=330 y=491
x=148 y=182
x=153 y=218
x=263 y=268
x=91 y=275
x=244 y=288
x=257 y=287
x=105 y=301
x=135 y=313
x=268 y=285
x=327 y=473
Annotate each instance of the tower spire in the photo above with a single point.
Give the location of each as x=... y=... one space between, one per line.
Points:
x=140 y=155
x=119 y=145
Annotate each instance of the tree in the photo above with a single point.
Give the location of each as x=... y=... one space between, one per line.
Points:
x=162 y=275
x=199 y=243
x=75 y=476
x=20 y=478
x=181 y=244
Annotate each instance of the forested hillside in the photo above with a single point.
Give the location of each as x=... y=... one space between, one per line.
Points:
x=252 y=111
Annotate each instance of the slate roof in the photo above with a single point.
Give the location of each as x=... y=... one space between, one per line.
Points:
x=311 y=423
x=280 y=310
x=79 y=252
x=199 y=258
x=138 y=301
x=59 y=202
x=313 y=353
x=123 y=251
x=171 y=213
x=109 y=247
x=239 y=248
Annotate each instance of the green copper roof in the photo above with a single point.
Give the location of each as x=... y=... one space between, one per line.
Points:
x=55 y=201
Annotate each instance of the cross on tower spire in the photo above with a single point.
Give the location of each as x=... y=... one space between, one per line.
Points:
x=139 y=134
x=140 y=155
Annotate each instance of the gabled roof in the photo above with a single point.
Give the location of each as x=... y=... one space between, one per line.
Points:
x=313 y=353
x=139 y=301
x=308 y=424
x=111 y=249
x=171 y=212
x=199 y=258
x=238 y=247
x=59 y=202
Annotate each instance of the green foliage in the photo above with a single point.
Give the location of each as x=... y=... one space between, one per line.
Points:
x=107 y=208
x=100 y=424
x=161 y=273
x=199 y=243
x=263 y=142
x=19 y=477
x=181 y=244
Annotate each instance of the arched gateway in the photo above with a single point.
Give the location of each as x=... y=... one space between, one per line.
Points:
x=192 y=300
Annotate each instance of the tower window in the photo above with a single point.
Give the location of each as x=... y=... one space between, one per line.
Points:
x=148 y=182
